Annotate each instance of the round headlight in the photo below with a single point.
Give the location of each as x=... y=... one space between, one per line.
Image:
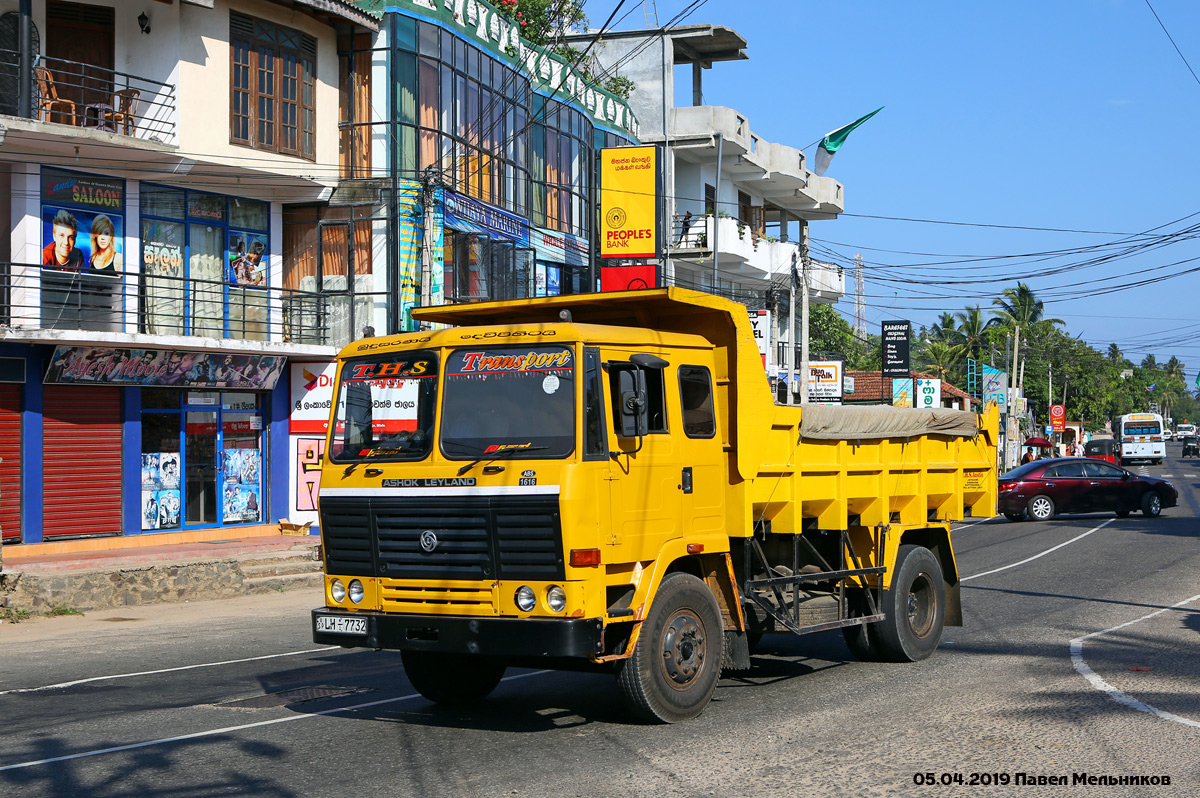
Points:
x=356 y=591
x=556 y=598
x=526 y=600
x=337 y=590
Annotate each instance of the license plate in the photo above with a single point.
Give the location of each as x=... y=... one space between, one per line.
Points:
x=341 y=625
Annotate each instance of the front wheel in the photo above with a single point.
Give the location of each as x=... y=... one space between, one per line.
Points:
x=1151 y=504
x=1041 y=508
x=454 y=679
x=914 y=606
x=677 y=660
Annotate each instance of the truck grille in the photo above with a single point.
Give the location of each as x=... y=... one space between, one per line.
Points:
x=478 y=537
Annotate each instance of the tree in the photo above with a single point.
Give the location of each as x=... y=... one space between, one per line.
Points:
x=972 y=330
x=1020 y=307
x=544 y=21
x=940 y=359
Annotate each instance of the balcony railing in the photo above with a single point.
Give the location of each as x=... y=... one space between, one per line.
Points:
x=88 y=96
x=33 y=297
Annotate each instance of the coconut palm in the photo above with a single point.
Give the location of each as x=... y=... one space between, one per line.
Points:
x=1115 y=354
x=940 y=358
x=1020 y=307
x=972 y=330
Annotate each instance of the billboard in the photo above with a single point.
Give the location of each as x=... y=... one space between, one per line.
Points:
x=760 y=322
x=995 y=387
x=902 y=392
x=929 y=394
x=630 y=190
x=825 y=381
x=894 y=335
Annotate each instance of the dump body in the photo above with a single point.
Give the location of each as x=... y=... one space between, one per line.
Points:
x=527 y=486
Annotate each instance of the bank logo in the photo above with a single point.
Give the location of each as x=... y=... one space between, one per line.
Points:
x=429 y=541
x=616 y=218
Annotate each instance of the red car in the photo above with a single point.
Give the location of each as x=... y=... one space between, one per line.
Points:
x=1042 y=489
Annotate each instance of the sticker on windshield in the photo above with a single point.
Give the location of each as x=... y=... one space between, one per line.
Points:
x=484 y=363
x=550 y=384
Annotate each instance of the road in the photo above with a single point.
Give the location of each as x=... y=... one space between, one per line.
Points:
x=1078 y=657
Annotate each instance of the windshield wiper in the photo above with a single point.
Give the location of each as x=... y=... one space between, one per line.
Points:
x=496 y=455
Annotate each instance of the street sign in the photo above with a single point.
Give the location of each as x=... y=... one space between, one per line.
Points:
x=1049 y=430
x=1058 y=418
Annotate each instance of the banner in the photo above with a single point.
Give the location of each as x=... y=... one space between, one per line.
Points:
x=995 y=388
x=894 y=335
x=87 y=365
x=760 y=322
x=825 y=381
x=629 y=202
x=469 y=215
x=311 y=387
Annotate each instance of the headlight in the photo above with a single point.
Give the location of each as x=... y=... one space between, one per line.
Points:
x=356 y=591
x=337 y=590
x=526 y=600
x=556 y=598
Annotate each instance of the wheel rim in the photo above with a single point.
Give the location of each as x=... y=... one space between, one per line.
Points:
x=683 y=648
x=1155 y=504
x=1041 y=508
x=921 y=605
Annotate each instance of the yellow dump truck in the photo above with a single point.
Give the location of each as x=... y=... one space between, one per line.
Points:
x=604 y=481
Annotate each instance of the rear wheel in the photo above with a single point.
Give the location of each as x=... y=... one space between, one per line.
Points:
x=453 y=679
x=1041 y=508
x=677 y=660
x=1151 y=504
x=1015 y=516
x=914 y=606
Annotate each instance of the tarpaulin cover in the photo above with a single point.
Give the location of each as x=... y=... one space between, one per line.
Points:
x=873 y=422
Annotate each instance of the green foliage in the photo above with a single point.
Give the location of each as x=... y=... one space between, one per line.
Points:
x=14 y=615
x=541 y=21
x=54 y=610
x=830 y=334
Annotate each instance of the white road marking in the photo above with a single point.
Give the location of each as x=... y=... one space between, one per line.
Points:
x=61 y=685
x=1036 y=556
x=973 y=523
x=1114 y=693
x=229 y=729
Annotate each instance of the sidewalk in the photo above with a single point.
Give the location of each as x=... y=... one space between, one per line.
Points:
x=119 y=572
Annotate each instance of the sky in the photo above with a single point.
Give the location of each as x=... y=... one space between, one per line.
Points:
x=1053 y=143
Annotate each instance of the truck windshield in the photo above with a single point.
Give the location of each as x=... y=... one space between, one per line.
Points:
x=509 y=397
x=385 y=408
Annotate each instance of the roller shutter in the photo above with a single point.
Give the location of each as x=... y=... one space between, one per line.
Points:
x=82 y=461
x=10 y=461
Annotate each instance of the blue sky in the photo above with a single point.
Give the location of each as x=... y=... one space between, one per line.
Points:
x=1072 y=114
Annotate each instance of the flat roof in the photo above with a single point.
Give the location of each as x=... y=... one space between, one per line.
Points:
x=702 y=44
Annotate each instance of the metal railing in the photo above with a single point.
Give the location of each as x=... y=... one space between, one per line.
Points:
x=37 y=297
x=88 y=96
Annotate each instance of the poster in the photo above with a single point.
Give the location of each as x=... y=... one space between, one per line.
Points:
x=79 y=240
x=240 y=471
x=902 y=392
x=247 y=261
x=177 y=368
x=308 y=472
x=161 y=498
x=553 y=280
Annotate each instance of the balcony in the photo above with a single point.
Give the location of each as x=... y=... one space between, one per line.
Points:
x=91 y=98
x=45 y=304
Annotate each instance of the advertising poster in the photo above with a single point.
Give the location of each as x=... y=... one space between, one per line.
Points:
x=894 y=342
x=119 y=366
x=760 y=322
x=553 y=280
x=311 y=396
x=242 y=490
x=81 y=240
x=825 y=381
x=308 y=472
x=539 y=280
x=902 y=392
x=161 y=497
x=629 y=202
x=247 y=259
x=995 y=387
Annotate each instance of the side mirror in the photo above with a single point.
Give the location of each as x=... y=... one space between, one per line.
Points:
x=1126 y=475
x=635 y=418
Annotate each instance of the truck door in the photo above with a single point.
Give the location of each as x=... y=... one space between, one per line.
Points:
x=702 y=479
x=644 y=479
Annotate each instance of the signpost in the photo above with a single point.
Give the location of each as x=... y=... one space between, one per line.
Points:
x=894 y=335
x=1058 y=418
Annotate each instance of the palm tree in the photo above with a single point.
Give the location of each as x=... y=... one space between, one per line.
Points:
x=1115 y=354
x=1020 y=307
x=940 y=358
x=972 y=330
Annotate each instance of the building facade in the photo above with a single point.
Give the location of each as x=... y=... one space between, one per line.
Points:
x=149 y=156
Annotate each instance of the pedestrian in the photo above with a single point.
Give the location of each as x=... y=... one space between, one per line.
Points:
x=1029 y=457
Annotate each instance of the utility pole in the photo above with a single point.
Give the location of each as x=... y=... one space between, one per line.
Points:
x=804 y=311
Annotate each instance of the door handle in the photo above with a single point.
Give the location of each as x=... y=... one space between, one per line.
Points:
x=1093 y=483
x=686 y=480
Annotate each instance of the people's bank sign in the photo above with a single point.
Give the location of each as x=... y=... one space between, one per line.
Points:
x=630 y=188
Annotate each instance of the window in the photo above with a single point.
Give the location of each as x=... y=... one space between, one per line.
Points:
x=273 y=82
x=696 y=401
x=595 y=436
x=656 y=401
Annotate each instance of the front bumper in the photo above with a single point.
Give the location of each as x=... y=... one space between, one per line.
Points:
x=502 y=637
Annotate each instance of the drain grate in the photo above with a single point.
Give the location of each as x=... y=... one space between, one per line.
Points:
x=300 y=695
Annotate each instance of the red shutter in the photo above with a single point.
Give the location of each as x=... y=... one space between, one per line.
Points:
x=81 y=472
x=10 y=461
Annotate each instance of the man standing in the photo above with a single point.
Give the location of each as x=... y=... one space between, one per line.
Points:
x=61 y=253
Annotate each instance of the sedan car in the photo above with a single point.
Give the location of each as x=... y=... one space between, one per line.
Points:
x=1042 y=489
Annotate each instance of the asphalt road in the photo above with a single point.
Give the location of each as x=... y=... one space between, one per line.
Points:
x=1079 y=656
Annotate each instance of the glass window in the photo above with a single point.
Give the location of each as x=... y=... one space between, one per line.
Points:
x=385 y=408
x=696 y=401
x=1066 y=471
x=519 y=398
x=161 y=497
x=656 y=402
x=158 y=201
x=272 y=73
x=248 y=214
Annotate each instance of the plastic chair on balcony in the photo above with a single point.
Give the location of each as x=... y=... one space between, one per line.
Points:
x=124 y=109
x=48 y=99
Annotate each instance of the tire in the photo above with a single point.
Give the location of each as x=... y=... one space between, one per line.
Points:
x=1151 y=504
x=1015 y=516
x=677 y=660
x=914 y=606
x=459 y=680
x=1040 y=508
x=1122 y=513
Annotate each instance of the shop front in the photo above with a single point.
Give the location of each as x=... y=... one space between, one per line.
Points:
x=485 y=252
